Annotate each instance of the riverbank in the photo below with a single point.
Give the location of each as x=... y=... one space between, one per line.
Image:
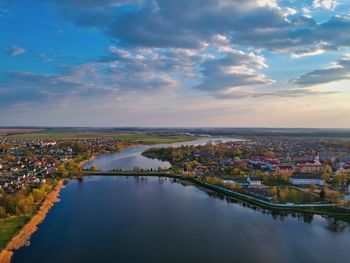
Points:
x=91 y=158
x=317 y=209
x=131 y=145
x=22 y=238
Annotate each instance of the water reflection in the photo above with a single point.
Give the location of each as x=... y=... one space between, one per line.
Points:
x=333 y=224
x=157 y=219
x=336 y=225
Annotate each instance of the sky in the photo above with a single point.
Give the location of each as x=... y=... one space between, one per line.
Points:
x=166 y=63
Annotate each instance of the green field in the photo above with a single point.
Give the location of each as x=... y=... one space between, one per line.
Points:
x=138 y=137
x=9 y=227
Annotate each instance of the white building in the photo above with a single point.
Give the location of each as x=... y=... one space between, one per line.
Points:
x=249 y=181
x=254 y=181
x=305 y=179
x=343 y=169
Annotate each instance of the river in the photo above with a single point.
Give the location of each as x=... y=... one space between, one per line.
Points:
x=120 y=219
x=151 y=219
x=132 y=157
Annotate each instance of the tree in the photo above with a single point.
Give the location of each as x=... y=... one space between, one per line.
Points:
x=136 y=169
x=313 y=187
x=188 y=167
x=237 y=172
x=94 y=167
x=38 y=195
x=72 y=166
x=328 y=169
x=334 y=196
x=270 y=154
x=340 y=179
x=322 y=194
x=3 y=213
x=25 y=205
x=325 y=176
x=214 y=180
x=62 y=170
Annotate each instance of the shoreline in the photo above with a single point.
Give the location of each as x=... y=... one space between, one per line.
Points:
x=93 y=157
x=22 y=238
x=312 y=209
x=82 y=163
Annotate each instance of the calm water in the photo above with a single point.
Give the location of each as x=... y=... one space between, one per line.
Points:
x=120 y=219
x=131 y=157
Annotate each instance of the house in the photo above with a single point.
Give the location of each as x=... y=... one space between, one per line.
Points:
x=311 y=168
x=242 y=182
x=261 y=165
x=254 y=181
x=245 y=181
x=305 y=179
x=343 y=169
x=284 y=169
x=314 y=166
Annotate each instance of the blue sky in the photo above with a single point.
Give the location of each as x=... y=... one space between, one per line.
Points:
x=250 y=63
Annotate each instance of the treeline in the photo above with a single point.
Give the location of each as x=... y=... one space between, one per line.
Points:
x=24 y=202
x=208 y=157
x=204 y=154
x=68 y=167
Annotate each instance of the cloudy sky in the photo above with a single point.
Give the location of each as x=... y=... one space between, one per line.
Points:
x=227 y=63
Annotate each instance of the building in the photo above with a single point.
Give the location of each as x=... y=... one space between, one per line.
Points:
x=254 y=181
x=343 y=169
x=311 y=168
x=242 y=182
x=305 y=179
x=284 y=169
x=245 y=181
x=314 y=166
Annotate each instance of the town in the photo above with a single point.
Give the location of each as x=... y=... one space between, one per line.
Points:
x=24 y=162
x=279 y=170
x=297 y=175
x=275 y=169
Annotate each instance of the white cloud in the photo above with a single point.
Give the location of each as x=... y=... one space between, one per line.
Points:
x=119 y=52
x=325 y=4
x=230 y=74
x=16 y=51
x=338 y=70
x=316 y=50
